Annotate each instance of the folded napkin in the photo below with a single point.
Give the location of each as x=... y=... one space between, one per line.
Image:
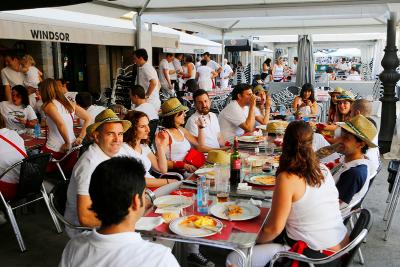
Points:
x=148 y=223
x=255 y=202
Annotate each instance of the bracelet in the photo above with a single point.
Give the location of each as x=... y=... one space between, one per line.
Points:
x=178 y=164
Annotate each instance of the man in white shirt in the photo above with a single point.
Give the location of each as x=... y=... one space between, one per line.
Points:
x=166 y=70
x=138 y=98
x=212 y=64
x=107 y=132
x=120 y=181
x=238 y=116
x=293 y=69
x=225 y=75
x=214 y=138
x=178 y=69
x=147 y=77
x=11 y=75
x=85 y=100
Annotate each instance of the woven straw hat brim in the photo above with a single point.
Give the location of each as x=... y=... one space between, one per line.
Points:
x=92 y=127
x=174 y=111
x=351 y=130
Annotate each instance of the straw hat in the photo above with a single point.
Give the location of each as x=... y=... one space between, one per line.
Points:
x=361 y=127
x=172 y=106
x=338 y=90
x=258 y=89
x=346 y=95
x=107 y=116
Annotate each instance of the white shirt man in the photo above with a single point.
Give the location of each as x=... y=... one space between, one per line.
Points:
x=212 y=131
x=225 y=75
x=166 y=69
x=10 y=75
x=138 y=99
x=238 y=116
x=116 y=243
x=149 y=110
x=147 y=73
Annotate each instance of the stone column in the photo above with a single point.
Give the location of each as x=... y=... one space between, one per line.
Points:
x=389 y=77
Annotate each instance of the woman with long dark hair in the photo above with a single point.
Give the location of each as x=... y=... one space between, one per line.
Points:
x=306 y=102
x=18 y=114
x=305 y=204
x=266 y=69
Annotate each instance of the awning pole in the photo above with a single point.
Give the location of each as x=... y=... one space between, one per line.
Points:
x=223 y=47
x=251 y=59
x=138 y=30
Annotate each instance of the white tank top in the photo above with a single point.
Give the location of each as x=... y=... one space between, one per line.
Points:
x=315 y=218
x=278 y=74
x=186 y=71
x=177 y=150
x=54 y=138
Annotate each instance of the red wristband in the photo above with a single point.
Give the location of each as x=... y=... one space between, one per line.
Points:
x=179 y=164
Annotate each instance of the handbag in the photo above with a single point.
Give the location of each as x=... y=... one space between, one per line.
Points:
x=195 y=158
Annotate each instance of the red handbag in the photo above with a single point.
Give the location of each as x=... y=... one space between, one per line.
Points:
x=195 y=158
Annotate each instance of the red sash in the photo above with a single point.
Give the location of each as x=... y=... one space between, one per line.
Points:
x=14 y=146
x=299 y=248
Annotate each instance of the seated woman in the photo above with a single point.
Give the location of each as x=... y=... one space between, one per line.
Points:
x=305 y=204
x=333 y=103
x=18 y=114
x=305 y=103
x=343 y=111
x=180 y=140
x=263 y=106
x=12 y=150
x=137 y=137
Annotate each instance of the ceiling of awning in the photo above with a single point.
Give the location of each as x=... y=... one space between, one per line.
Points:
x=240 y=18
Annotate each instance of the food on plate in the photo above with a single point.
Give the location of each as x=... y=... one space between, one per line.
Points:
x=218 y=156
x=276 y=126
x=275 y=159
x=267 y=179
x=199 y=221
x=169 y=216
x=234 y=210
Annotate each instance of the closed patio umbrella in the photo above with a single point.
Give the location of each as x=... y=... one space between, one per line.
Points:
x=305 y=67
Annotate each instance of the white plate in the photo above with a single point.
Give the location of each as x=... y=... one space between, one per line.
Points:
x=205 y=171
x=252 y=179
x=183 y=230
x=148 y=223
x=249 y=139
x=173 y=201
x=249 y=211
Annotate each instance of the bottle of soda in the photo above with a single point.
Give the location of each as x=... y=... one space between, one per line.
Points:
x=202 y=195
x=235 y=164
x=37 y=130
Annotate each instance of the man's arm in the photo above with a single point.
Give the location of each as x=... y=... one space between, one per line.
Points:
x=86 y=216
x=166 y=75
x=248 y=125
x=152 y=86
x=7 y=92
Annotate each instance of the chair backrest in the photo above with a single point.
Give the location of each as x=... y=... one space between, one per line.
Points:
x=153 y=128
x=32 y=173
x=59 y=196
x=363 y=222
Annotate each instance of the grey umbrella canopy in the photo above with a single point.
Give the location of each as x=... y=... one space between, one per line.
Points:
x=305 y=68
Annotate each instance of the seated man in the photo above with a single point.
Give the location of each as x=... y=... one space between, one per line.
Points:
x=238 y=116
x=357 y=135
x=214 y=138
x=138 y=98
x=117 y=193
x=364 y=107
x=85 y=101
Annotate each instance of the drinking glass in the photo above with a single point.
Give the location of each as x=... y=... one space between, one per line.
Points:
x=246 y=168
x=189 y=210
x=269 y=150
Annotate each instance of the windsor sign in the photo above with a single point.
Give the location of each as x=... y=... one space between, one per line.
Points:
x=50 y=35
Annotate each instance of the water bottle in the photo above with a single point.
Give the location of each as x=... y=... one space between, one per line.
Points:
x=202 y=195
x=282 y=110
x=37 y=130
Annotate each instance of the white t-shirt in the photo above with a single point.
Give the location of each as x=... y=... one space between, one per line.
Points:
x=80 y=179
x=146 y=74
x=122 y=249
x=230 y=118
x=9 y=155
x=149 y=110
x=178 y=67
x=11 y=77
x=31 y=77
x=165 y=65
x=226 y=71
x=374 y=156
x=93 y=110
x=211 y=130
x=205 y=78
x=54 y=139
x=213 y=65
x=11 y=112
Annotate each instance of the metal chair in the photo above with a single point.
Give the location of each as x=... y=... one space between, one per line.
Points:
x=357 y=235
x=392 y=205
x=30 y=189
x=58 y=161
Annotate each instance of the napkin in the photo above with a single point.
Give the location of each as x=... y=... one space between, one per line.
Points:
x=168 y=209
x=148 y=223
x=255 y=202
